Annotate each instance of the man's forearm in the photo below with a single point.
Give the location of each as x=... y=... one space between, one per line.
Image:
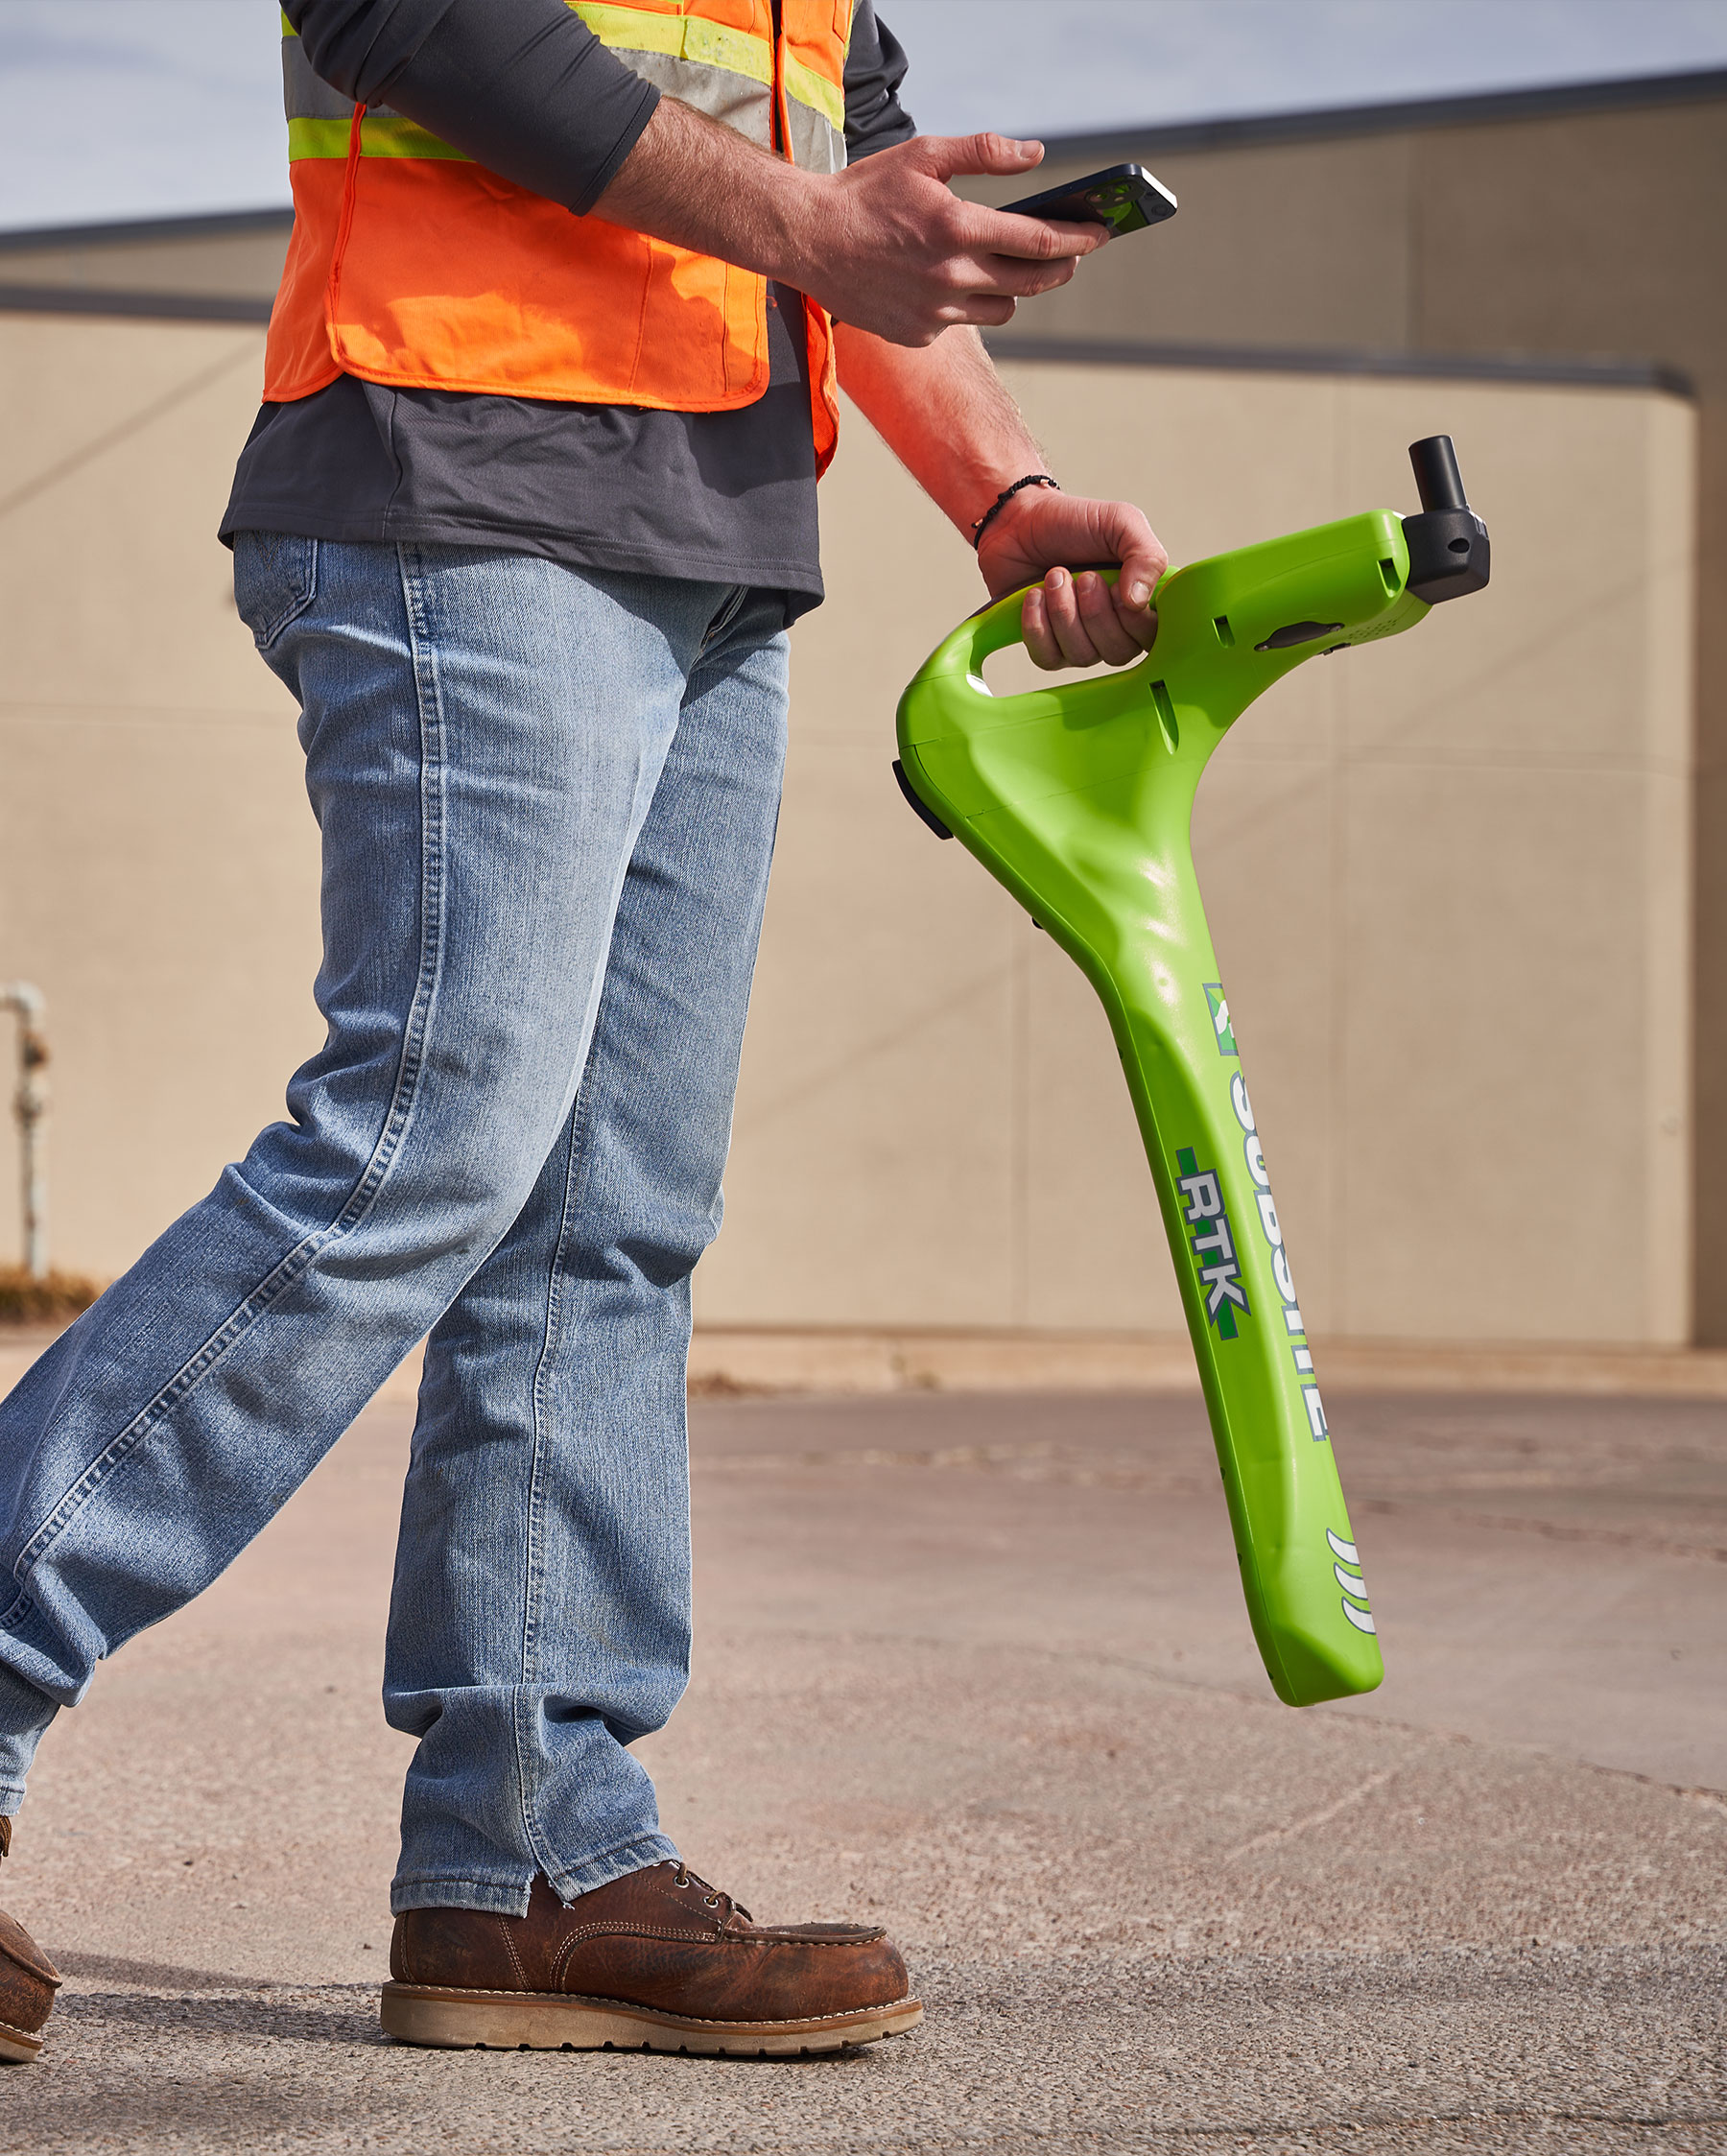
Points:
x=949 y=420
x=946 y=415
x=527 y=89
x=522 y=86
x=704 y=186
x=884 y=244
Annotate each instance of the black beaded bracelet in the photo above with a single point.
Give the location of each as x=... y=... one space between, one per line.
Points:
x=1002 y=500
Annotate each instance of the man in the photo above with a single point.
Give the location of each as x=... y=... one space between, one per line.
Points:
x=523 y=522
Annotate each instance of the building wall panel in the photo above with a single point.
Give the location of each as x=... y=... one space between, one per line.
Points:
x=1448 y=876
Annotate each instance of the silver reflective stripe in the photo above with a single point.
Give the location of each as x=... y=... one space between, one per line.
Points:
x=736 y=100
x=744 y=104
x=306 y=96
x=816 y=144
x=728 y=74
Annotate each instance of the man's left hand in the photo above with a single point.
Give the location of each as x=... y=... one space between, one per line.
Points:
x=1075 y=618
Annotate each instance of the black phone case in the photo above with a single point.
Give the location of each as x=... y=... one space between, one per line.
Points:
x=1125 y=198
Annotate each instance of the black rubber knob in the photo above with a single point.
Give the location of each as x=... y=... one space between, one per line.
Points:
x=1437 y=479
x=1449 y=553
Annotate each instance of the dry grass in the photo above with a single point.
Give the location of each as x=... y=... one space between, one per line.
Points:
x=719 y=1385
x=54 y=1301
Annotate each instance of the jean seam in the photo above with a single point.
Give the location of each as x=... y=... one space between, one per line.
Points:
x=361 y=1200
x=579 y=1123
x=533 y=1573
x=532 y=1556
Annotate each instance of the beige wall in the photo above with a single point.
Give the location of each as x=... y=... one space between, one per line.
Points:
x=1584 y=225
x=1447 y=875
x=1571 y=231
x=1447 y=885
x=157 y=860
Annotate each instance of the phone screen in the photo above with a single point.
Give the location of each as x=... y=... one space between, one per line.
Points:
x=1125 y=197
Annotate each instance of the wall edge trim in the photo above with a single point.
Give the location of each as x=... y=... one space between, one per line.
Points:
x=1466 y=109
x=1548 y=370
x=140 y=231
x=120 y=303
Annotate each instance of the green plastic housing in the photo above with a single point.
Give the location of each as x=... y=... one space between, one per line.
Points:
x=1078 y=797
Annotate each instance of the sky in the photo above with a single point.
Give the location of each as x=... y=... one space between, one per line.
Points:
x=119 y=109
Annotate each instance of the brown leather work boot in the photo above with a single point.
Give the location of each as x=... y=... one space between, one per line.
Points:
x=655 y=1961
x=27 y=1984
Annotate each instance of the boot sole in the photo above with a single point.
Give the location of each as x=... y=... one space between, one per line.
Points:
x=541 y=2020
x=17 y=2047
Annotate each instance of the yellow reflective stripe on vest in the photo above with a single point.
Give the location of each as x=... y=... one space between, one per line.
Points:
x=691 y=38
x=382 y=135
x=816 y=92
x=643 y=29
x=704 y=64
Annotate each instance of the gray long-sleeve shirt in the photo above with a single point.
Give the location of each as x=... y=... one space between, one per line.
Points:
x=526 y=89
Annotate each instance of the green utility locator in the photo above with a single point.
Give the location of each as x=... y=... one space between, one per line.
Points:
x=1078 y=797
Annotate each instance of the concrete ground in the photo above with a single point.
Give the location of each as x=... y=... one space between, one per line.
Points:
x=979 y=1667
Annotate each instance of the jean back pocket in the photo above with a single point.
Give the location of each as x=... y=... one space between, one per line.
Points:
x=276 y=580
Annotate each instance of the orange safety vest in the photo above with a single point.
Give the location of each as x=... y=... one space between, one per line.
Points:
x=412 y=265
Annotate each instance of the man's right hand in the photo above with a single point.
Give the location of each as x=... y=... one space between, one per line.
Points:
x=893 y=250
x=884 y=244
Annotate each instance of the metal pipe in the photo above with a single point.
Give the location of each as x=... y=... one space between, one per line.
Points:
x=29 y=1104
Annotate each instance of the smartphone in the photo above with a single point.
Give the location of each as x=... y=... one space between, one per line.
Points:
x=1125 y=197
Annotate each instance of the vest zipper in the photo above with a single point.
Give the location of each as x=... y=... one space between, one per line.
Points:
x=781 y=131
x=350 y=186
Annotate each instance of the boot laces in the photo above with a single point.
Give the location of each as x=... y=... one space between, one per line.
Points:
x=712 y=1898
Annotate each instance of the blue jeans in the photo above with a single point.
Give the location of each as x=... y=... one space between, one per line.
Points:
x=547 y=802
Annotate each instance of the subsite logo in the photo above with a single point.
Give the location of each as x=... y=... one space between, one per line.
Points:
x=1294 y=1326
x=1354 y=1587
x=1218 y=1004
x=1212 y=1245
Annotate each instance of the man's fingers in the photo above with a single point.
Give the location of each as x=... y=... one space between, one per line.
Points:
x=1061 y=606
x=1051 y=628
x=1003 y=281
x=1109 y=635
x=1024 y=279
x=1030 y=239
x=1134 y=588
x=1125 y=535
x=1035 y=626
x=1078 y=621
x=1141 y=569
x=981 y=310
x=943 y=155
x=1139 y=622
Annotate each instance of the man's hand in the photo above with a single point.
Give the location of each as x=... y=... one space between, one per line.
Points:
x=884 y=244
x=944 y=413
x=897 y=254
x=1073 y=616
x=908 y=271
